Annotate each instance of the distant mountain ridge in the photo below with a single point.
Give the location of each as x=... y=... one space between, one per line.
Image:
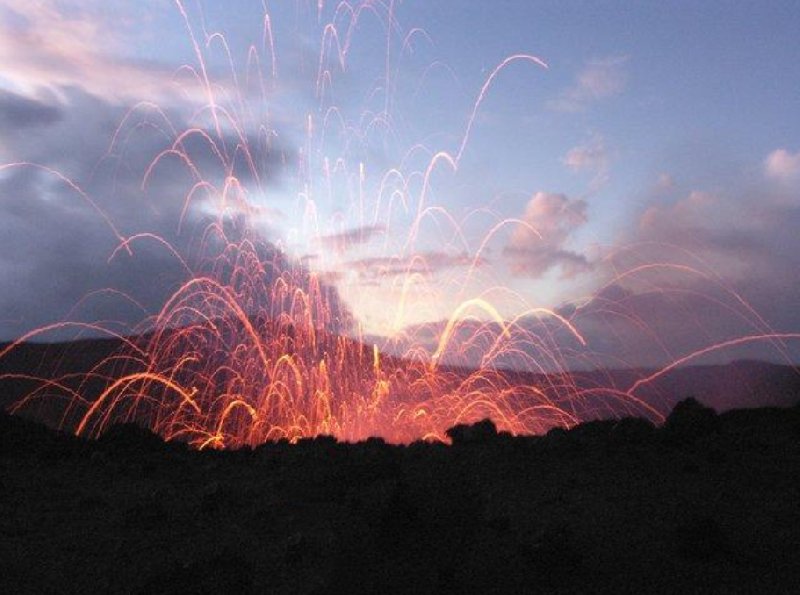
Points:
x=739 y=384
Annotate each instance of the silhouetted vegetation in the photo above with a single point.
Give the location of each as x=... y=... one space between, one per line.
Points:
x=705 y=503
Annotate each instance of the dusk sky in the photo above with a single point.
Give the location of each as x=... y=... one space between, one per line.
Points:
x=640 y=158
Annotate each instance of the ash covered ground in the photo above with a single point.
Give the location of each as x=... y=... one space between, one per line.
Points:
x=706 y=503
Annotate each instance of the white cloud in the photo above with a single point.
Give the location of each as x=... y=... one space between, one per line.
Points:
x=539 y=245
x=782 y=165
x=600 y=78
x=591 y=157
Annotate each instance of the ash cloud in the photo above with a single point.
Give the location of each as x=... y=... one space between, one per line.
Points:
x=72 y=74
x=21 y=113
x=56 y=248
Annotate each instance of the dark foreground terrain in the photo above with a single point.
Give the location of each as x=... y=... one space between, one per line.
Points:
x=707 y=503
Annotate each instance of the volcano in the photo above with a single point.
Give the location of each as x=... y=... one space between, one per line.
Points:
x=58 y=383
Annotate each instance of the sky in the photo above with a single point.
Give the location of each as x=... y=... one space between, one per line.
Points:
x=633 y=167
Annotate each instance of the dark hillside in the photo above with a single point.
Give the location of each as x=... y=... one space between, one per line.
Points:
x=706 y=503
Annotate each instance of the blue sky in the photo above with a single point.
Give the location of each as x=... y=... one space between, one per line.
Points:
x=669 y=122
